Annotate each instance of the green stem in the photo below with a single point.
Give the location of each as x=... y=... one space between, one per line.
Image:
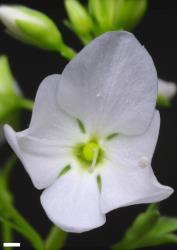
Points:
x=30 y=233
x=86 y=39
x=8 y=167
x=4 y=179
x=66 y=52
x=8 y=208
x=56 y=239
x=27 y=104
x=7 y=235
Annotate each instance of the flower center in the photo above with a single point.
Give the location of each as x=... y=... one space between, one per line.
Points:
x=89 y=155
x=90 y=150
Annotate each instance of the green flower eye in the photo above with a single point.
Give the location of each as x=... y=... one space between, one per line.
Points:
x=89 y=153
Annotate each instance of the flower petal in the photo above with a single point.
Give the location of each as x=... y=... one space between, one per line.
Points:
x=42 y=161
x=122 y=187
x=48 y=120
x=72 y=202
x=111 y=85
x=43 y=148
x=129 y=179
x=131 y=151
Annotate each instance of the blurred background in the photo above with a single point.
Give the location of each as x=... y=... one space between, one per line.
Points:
x=158 y=32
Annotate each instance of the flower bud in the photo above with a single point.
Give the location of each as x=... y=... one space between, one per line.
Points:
x=103 y=12
x=166 y=92
x=80 y=21
x=117 y=14
x=10 y=96
x=8 y=87
x=31 y=26
x=129 y=13
x=11 y=99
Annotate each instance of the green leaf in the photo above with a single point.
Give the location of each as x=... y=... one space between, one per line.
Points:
x=12 y=225
x=7 y=234
x=165 y=225
x=162 y=232
x=140 y=227
x=149 y=229
x=159 y=240
x=15 y=220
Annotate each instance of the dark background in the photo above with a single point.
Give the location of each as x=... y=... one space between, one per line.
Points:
x=158 y=32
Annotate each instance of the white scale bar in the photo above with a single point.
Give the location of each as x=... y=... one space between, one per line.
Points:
x=11 y=244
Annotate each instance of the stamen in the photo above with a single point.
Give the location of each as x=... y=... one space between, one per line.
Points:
x=95 y=157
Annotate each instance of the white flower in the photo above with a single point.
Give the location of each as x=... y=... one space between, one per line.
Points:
x=166 y=89
x=93 y=133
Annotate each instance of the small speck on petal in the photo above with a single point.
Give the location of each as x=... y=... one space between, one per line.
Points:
x=144 y=162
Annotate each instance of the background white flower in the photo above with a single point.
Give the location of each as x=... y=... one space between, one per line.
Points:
x=93 y=133
x=167 y=89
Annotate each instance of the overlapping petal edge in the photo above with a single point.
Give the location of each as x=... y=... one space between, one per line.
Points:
x=111 y=87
